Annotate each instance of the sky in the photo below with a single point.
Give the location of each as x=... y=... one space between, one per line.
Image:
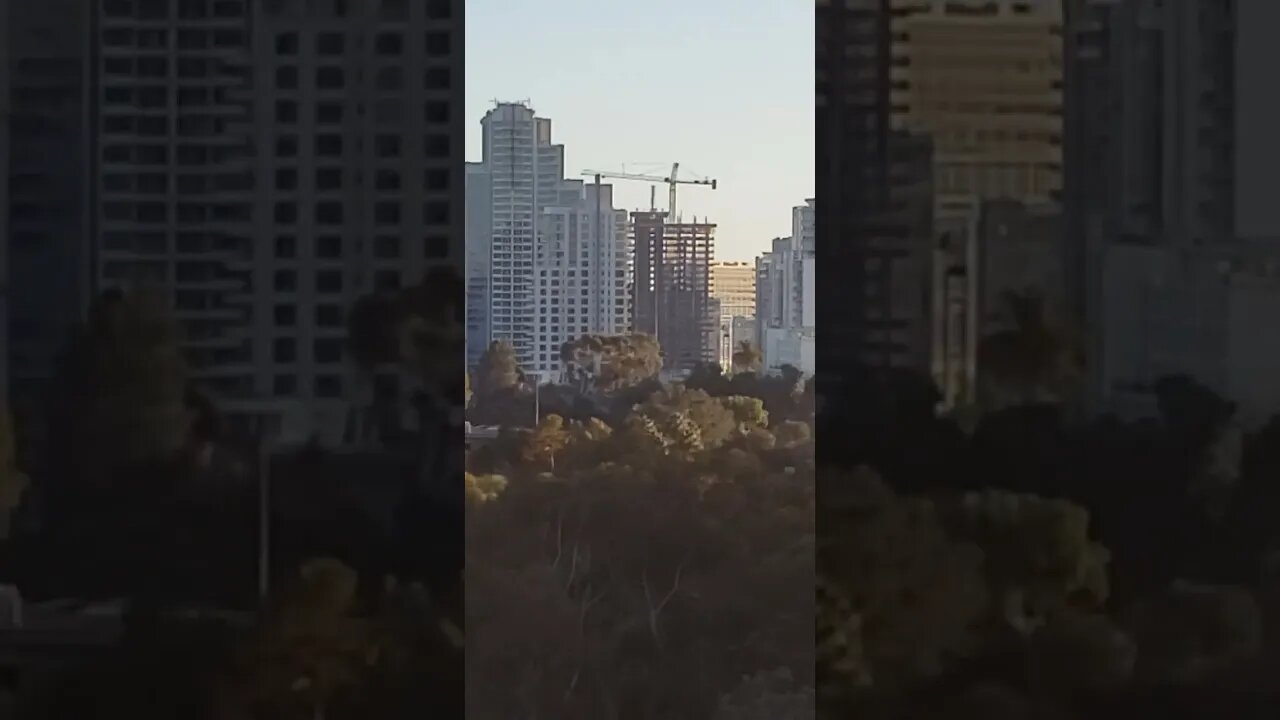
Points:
x=723 y=87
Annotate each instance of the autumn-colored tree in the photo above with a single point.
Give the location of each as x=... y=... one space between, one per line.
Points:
x=1038 y=355
x=658 y=567
x=609 y=363
x=497 y=370
x=747 y=357
x=308 y=647
x=547 y=439
x=122 y=389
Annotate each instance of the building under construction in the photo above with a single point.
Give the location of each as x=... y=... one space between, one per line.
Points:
x=671 y=294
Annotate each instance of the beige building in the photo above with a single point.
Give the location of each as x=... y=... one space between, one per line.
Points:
x=733 y=288
x=733 y=283
x=983 y=79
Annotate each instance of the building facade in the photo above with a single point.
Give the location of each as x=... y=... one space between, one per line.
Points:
x=48 y=51
x=547 y=257
x=875 y=222
x=671 y=288
x=266 y=163
x=984 y=81
x=733 y=289
x=1170 y=146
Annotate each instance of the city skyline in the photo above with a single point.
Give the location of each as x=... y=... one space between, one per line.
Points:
x=755 y=138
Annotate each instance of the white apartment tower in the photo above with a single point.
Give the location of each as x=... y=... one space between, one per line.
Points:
x=547 y=257
x=269 y=162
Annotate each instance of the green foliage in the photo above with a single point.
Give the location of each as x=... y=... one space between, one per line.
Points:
x=747 y=358
x=497 y=369
x=647 y=575
x=609 y=363
x=124 y=387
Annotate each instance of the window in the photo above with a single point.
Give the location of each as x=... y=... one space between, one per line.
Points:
x=329 y=281
x=286 y=179
x=117 y=8
x=390 y=79
x=436 y=112
x=388 y=111
x=286 y=111
x=385 y=280
x=387 y=146
x=192 y=9
x=153 y=9
x=192 y=155
x=287 y=146
x=437 y=78
x=287 y=43
x=328 y=246
x=328 y=386
x=284 y=350
x=329 y=316
x=386 y=247
x=387 y=180
x=329 y=213
x=329 y=78
x=328 y=145
x=286 y=246
x=435 y=213
x=328 y=113
x=286 y=315
x=386 y=213
x=439 y=10
x=435 y=246
x=330 y=43
x=284 y=385
x=328 y=178
x=437 y=44
x=327 y=350
x=286 y=212
x=117 y=66
x=152 y=67
x=436 y=145
x=287 y=78
x=395 y=9
x=285 y=281
x=389 y=44
x=436 y=179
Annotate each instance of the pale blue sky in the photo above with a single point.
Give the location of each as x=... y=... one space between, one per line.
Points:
x=724 y=87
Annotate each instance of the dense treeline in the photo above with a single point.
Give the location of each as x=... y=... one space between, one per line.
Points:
x=1036 y=566
x=636 y=553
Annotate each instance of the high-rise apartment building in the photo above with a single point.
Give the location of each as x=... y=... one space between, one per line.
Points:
x=479 y=242
x=733 y=288
x=355 y=165
x=984 y=80
x=1171 y=149
x=48 y=47
x=546 y=257
x=525 y=172
x=876 y=217
x=581 y=263
x=733 y=283
x=785 y=297
x=671 y=288
x=267 y=162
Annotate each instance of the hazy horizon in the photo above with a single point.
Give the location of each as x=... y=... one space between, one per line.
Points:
x=740 y=77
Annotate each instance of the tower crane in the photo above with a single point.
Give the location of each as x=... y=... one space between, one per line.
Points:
x=671 y=181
